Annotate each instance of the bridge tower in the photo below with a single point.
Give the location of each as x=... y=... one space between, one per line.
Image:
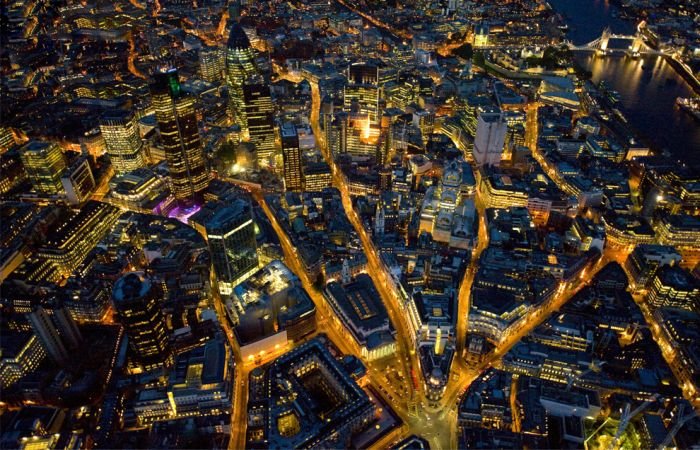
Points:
x=637 y=44
x=604 y=40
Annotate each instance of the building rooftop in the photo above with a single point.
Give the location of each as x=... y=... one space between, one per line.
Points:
x=269 y=300
x=360 y=305
x=308 y=400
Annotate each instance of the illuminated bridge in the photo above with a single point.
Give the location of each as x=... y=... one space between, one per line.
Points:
x=601 y=45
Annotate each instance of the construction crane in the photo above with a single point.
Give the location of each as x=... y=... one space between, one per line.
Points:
x=627 y=416
x=680 y=421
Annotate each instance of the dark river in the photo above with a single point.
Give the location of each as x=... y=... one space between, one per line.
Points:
x=648 y=86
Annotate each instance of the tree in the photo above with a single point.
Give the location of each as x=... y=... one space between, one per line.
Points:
x=479 y=59
x=227 y=152
x=464 y=51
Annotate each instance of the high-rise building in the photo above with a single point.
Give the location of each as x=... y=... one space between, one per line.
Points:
x=44 y=163
x=137 y=303
x=362 y=92
x=240 y=64
x=337 y=134
x=293 y=178
x=231 y=237
x=177 y=122
x=260 y=116
x=120 y=131
x=490 y=138
x=317 y=176
x=211 y=64
x=7 y=140
x=78 y=181
x=67 y=327
x=48 y=335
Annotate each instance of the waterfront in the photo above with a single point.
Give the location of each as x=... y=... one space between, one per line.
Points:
x=648 y=86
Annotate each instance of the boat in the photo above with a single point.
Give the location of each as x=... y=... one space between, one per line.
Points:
x=690 y=105
x=619 y=114
x=614 y=96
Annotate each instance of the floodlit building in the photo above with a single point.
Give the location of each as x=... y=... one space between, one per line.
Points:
x=260 y=118
x=230 y=234
x=291 y=153
x=44 y=163
x=489 y=140
x=125 y=149
x=269 y=310
x=363 y=315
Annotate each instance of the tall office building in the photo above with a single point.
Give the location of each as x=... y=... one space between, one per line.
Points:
x=177 y=122
x=240 y=64
x=231 y=237
x=293 y=178
x=260 y=116
x=137 y=303
x=317 y=176
x=67 y=327
x=78 y=181
x=490 y=138
x=211 y=63
x=7 y=139
x=361 y=95
x=120 y=131
x=56 y=343
x=44 y=163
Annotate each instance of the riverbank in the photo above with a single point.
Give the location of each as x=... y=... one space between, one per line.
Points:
x=685 y=72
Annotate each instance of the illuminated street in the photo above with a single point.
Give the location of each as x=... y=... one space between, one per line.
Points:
x=356 y=224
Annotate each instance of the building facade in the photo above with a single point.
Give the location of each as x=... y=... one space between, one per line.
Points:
x=177 y=122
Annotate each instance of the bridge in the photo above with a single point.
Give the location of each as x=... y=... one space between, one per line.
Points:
x=601 y=46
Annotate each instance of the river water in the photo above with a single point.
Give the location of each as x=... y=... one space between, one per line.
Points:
x=648 y=86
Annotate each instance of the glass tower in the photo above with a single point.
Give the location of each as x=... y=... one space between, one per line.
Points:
x=44 y=163
x=231 y=238
x=121 y=134
x=177 y=122
x=260 y=116
x=292 y=158
x=240 y=64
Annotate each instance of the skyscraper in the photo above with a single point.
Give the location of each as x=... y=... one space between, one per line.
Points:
x=362 y=92
x=231 y=237
x=490 y=138
x=44 y=163
x=240 y=64
x=260 y=116
x=121 y=134
x=78 y=181
x=136 y=301
x=7 y=140
x=211 y=63
x=293 y=178
x=177 y=122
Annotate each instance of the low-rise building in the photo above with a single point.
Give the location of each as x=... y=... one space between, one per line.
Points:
x=269 y=310
x=360 y=309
